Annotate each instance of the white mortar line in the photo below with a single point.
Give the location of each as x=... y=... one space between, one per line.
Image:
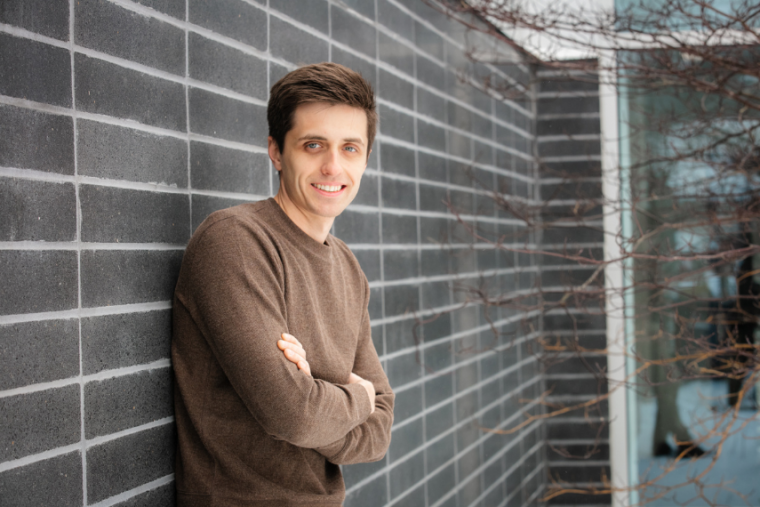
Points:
x=127 y=495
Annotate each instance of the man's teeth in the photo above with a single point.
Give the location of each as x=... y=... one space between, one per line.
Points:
x=327 y=188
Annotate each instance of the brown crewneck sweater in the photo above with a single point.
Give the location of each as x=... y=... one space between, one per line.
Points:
x=254 y=430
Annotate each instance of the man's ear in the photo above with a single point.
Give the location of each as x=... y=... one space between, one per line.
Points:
x=274 y=153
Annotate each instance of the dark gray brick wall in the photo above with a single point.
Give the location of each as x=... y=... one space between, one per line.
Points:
x=569 y=149
x=124 y=123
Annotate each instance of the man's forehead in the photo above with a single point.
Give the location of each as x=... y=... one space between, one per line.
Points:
x=320 y=118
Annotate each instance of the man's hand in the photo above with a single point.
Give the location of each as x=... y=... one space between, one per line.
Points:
x=356 y=379
x=294 y=352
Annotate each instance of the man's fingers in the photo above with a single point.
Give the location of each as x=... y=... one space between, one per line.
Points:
x=290 y=338
x=283 y=345
x=304 y=367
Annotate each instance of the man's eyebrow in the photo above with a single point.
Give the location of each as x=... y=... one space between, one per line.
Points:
x=315 y=137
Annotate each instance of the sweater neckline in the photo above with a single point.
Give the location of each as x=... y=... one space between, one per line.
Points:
x=298 y=234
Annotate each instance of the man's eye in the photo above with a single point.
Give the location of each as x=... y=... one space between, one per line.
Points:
x=351 y=148
x=312 y=145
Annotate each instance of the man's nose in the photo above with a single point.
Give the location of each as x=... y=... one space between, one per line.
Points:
x=331 y=165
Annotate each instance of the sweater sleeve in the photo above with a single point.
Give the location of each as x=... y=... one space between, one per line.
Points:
x=368 y=441
x=234 y=291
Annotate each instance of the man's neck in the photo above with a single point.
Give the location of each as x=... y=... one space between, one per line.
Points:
x=315 y=226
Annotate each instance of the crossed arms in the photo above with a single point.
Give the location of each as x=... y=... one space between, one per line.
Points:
x=233 y=287
x=295 y=353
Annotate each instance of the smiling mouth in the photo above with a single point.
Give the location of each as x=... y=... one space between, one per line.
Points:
x=328 y=188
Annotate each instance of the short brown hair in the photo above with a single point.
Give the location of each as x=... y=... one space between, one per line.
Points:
x=321 y=82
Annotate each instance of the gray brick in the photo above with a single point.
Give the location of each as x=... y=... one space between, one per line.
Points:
x=404 y=440
x=163 y=496
x=353 y=31
x=569 y=147
x=36 y=422
x=397 y=159
x=35 y=71
x=34 y=140
x=395 y=89
x=592 y=168
x=469 y=490
x=276 y=72
x=433 y=198
x=395 y=53
x=37 y=281
x=108 y=151
x=440 y=326
x=568 y=105
x=435 y=262
x=232 y=18
x=227 y=67
x=39 y=16
x=404 y=369
x=352 y=474
x=354 y=227
x=395 y=19
x=431 y=73
x=218 y=116
x=401 y=299
x=434 y=230
x=428 y=41
x=375 y=307
x=431 y=105
x=55 y=481
x=433 y=168
x=105 y=88
x=118 y=215
x=118 y=277
x=35 y=352
x=364 y=7
x=439 y=421
x=431 y=136
x=37 y=211
x=441 y=451
x=399 y=194
x=204 y=205
x=120 y=403
x=398 y=264
x=372 y=494
x=312 y=13
x=377 y=340
x=106 y=27
x=402 y=334
x=405 y=475
x=294 y=45
x=368 y=191
x=396 y=124
x=370 y=263
x=573 y=235
x=459 y=145
x=399 y=229
x=365 y=68
x=567 y=126
x=116 y=341
x=438 y=388
x=408 y=403
x=437 y=357
x=224 y=169
x=175 y=8
x=441 y=483
x=128 y=462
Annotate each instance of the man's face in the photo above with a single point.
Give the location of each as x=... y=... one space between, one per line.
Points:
x=323 y=158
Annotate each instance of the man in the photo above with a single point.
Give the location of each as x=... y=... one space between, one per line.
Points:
x=277 y=381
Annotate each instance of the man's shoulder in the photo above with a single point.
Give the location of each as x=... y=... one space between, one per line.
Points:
x=244 y=225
